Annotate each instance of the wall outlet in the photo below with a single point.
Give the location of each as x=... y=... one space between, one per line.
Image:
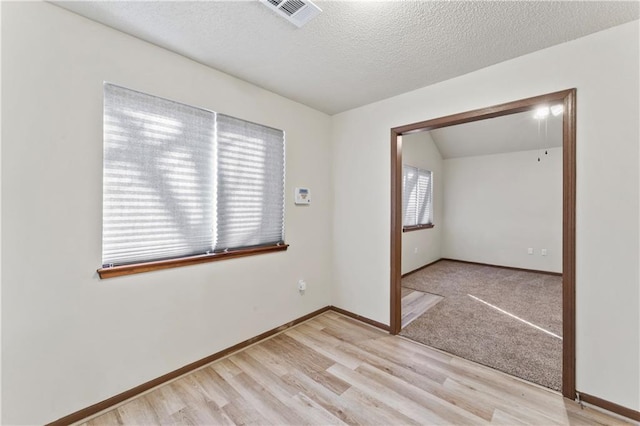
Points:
x=415 y=250
x=302 y=286
x=543 y=252
x=530 y=250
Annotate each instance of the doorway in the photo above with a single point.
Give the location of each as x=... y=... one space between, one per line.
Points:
x=567 y=98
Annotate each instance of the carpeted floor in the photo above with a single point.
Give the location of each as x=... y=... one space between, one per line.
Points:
x=465 y=324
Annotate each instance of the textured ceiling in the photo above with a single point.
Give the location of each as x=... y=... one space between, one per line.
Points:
x=355 y=52
x=509 y=133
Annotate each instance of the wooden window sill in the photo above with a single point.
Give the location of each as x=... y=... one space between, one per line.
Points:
x=136 y=268
x=417 y=227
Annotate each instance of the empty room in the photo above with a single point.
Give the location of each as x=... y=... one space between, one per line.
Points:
x=482 y=242
x=201 y=212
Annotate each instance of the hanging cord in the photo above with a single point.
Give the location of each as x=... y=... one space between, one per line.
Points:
x=539 y=144
x=546 y=134
x=546 y=137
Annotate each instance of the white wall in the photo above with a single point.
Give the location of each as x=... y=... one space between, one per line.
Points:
x=497 y=206
x=604 y=69
x=69 y=339
x=419 y=150
x=0 y=216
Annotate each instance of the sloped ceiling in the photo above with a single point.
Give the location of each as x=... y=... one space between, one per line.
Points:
x=500 y=135
x=355 y=52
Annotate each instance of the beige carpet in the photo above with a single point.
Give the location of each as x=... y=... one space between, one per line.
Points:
x=477 y=318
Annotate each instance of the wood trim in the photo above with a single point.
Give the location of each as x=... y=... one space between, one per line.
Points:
x=121 y=397
x=569 y=246
x=557 y=274
x=610 y=406
x=568 y=211
x=136 y=268
x=360 y=318
x=395 y=323
x=131 y=393
x=417 y=227
x=421 y=268
x=483 y=113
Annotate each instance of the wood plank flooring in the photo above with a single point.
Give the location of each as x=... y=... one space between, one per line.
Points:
x=336 y=370
x=416 y=303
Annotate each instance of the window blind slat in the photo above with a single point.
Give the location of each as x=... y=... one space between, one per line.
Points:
x=250 y=196
x=181 y=181
x=158 y=178
x=417 y=194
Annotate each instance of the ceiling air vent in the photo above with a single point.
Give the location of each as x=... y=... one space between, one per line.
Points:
x=298 y=12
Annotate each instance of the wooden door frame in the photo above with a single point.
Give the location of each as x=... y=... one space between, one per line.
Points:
x=568 y=98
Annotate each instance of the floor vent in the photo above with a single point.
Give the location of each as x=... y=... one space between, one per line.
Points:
x=298 y=12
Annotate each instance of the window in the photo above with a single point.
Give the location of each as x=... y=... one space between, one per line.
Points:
x=417 y=198
x=183 y=183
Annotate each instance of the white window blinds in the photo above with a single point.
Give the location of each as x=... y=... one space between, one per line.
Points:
x=177 y=183
x=250 y=196
x=417 y=196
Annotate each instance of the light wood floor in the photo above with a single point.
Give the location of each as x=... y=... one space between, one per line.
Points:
x=335 y=370
x=416 y=303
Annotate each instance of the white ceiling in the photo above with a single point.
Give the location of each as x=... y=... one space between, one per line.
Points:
x=355 y=52
x=509 y=133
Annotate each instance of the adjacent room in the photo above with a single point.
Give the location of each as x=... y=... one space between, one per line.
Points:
x=482 y=242
x=201 y=212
